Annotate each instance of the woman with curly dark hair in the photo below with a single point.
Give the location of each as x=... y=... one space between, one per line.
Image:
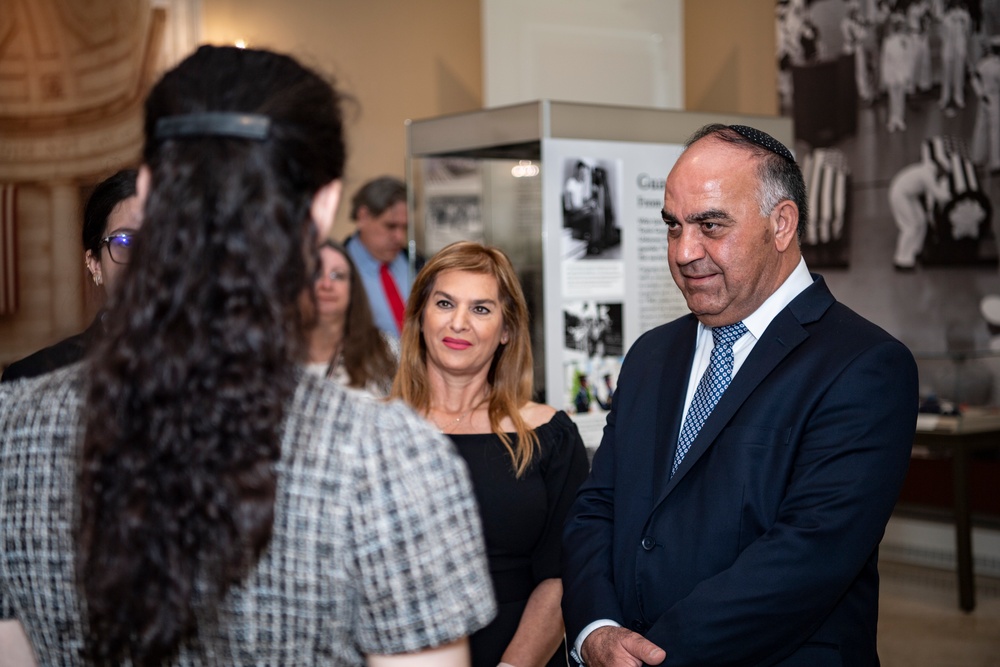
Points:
x=344 y=343
x=189 y=495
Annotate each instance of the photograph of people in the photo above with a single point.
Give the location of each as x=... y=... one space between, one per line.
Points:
x=913 y=193
x=917 y=161
x=466 y=365
x=583 y=396
x=897 y=70
x=985 y=82
x=594 y=329
x=592 y=354
x=589 y=210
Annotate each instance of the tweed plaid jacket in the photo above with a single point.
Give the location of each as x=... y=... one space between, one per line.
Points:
x=376 y=546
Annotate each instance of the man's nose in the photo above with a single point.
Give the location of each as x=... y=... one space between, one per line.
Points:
x=686 y=247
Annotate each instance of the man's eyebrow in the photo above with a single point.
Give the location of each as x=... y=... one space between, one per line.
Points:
x=695 y=218
x=710 y=214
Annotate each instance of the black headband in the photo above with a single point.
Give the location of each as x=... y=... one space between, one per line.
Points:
x=764 y=140
x=214 y=124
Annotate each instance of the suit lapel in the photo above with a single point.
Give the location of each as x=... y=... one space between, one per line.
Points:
x=668 y=420
x=784 y=334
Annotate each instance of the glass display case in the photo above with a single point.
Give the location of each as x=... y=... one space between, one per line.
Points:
x=572 y=193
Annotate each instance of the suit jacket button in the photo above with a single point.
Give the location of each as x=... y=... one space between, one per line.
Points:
x=638 y=626
x=648 y=543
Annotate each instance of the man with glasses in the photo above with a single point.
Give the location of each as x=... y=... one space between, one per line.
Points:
x=111 y=219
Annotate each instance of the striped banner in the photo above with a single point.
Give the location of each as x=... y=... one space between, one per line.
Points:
x=8 y=249
x=826 y=176
x=967 y=214
x=950 y=156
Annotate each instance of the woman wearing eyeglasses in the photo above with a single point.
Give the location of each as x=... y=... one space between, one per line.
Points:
x=111 y=218
x=110 y=222
x=344 y=343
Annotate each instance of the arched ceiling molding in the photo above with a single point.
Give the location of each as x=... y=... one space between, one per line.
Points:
x=72 y=79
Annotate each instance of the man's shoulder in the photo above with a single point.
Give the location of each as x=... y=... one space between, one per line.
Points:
x=819 y=311
x=841 y=335
x=842 y=320
x=363 y=260
x=351 y=244
x=664 y=342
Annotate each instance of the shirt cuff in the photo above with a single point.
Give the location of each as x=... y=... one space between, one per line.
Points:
x=578 y=644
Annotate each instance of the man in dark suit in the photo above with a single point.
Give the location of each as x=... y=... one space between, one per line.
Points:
x=755 y=540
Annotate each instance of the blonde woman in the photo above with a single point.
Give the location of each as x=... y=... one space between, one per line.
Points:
x=466 y=365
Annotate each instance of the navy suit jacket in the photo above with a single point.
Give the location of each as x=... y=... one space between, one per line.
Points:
x=762 y=548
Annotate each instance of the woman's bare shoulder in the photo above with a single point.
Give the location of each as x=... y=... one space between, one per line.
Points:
x=536 y=414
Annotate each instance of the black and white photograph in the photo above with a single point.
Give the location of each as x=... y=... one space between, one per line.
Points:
x=453 y=203
x=591 y=226
x=593 y=351
x=896 y=109
x=459 y=214
x=594 y=329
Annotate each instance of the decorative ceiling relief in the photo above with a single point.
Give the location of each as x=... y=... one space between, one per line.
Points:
x=72 y=79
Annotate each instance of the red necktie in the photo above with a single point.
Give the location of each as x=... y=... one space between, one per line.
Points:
x=392 y=295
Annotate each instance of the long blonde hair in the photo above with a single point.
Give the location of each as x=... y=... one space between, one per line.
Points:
x=510 y=377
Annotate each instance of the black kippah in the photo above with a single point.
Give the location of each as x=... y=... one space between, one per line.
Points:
x=764 y=140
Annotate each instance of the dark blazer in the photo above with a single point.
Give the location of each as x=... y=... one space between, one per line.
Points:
x=65 y=352
x=762 y=548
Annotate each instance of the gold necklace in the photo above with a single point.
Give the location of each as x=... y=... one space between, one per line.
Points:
x=450 y=426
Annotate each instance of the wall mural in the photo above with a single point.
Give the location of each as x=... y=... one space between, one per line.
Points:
x=896 y=107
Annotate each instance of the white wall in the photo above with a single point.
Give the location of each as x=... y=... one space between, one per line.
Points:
x=621 y=52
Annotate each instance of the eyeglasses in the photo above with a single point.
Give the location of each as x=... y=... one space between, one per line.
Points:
x=338 y=276
x=120 y=246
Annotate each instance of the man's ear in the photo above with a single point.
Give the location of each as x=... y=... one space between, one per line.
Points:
x=363 y=214
x=324 y=207
x=785 y=224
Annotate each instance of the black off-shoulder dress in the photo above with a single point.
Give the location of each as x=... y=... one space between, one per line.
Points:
x=522 y=521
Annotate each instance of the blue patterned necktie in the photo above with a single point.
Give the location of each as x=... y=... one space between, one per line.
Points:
x=713 y=383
